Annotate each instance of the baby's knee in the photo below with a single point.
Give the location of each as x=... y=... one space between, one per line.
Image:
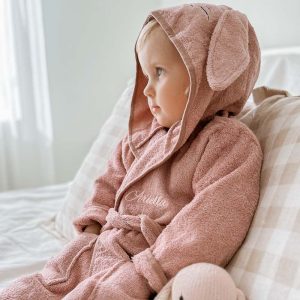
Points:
x=205 y=281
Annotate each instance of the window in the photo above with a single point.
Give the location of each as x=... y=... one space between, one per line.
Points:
x=4 y=107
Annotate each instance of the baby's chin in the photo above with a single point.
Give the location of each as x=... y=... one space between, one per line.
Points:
x=166 y=125
x=163 y=122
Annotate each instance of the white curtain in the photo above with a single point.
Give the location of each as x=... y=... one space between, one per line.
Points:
x=26 y=142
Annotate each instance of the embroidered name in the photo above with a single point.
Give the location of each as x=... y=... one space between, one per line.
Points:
x=143 y=197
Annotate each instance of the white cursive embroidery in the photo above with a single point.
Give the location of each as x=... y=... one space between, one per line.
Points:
x=143 y=197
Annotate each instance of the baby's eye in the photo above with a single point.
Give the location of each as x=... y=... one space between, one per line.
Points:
x=159 y=70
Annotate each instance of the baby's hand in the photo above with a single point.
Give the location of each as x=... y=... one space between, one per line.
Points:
x=94 y=228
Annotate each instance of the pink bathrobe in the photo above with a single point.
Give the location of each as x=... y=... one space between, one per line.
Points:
x=169 y=198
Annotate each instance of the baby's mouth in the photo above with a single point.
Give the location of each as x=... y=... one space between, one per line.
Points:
x=155 y=108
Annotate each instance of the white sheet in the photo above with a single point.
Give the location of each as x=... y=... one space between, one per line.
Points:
x=27 y=237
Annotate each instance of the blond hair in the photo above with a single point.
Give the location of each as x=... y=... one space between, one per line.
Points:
x=147 y=29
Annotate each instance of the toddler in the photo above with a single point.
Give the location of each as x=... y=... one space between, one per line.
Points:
x=182 y=186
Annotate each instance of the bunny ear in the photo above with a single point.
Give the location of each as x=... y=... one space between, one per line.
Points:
x=228 y=54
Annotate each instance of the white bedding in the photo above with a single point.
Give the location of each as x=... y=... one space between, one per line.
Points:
x=27 y=237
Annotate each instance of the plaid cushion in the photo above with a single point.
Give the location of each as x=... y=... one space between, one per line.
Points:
x=267 y=266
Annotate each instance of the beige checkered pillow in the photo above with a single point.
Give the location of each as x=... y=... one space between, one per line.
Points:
x=267 y=266
x=94 y=164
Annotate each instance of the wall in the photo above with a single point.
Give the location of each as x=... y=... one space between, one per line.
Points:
x=90 y=57
x=276 y=22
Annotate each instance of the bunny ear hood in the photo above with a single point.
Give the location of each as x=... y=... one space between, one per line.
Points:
x=220 y=50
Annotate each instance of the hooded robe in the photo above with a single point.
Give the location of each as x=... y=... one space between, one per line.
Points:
x=171 y=198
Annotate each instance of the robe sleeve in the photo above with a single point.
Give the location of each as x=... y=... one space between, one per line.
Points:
x=214 y=224
x=96 y=208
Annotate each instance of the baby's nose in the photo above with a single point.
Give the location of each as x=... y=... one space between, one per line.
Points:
x=148 y=90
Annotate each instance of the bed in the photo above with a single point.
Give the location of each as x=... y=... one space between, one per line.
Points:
x=25 y=240
x=36 y=223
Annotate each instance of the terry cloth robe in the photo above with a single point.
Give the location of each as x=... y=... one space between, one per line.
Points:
x=170 y=197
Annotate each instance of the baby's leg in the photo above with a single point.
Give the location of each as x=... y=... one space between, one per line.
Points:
x=201 y=281
x=124 y=283
x=59 y=276
x=113 y=275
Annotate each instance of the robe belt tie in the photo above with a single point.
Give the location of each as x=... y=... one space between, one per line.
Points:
x=141 y=223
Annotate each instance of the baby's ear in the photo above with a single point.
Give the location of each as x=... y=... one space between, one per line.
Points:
x=228 y=54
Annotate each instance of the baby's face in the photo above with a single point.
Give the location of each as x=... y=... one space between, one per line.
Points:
x=167 y=77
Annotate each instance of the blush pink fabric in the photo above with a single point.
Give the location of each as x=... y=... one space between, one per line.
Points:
x=170 y=197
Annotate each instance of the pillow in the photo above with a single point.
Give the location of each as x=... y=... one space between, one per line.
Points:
x=267 y=265
x=280 y=69
x=94 y=164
